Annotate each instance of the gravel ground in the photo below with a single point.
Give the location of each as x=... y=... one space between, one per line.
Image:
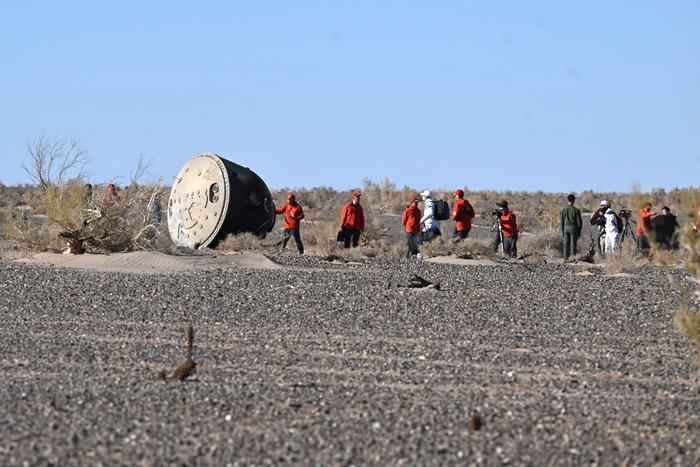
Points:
x=322 y=363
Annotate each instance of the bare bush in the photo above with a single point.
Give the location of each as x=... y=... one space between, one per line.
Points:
x=688 y=323
x=548 y=243
x=323 y=237
x=244 y=241
x=472 y=248
x=88 y=224
x=24 y=230
x=626 y=259
x=435 y=247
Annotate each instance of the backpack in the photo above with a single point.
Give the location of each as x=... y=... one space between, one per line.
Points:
x=618 y=221
x=441 y=210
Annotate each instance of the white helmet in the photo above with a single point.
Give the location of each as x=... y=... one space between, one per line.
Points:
x=427 y=194
x=605 y=203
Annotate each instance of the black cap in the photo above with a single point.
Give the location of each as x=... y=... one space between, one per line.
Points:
x=502 y=204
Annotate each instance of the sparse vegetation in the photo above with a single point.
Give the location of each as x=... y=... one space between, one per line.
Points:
x=243 y=242
x=626 y=259
x=548 y=243
x=87 y=222
x=688 y=321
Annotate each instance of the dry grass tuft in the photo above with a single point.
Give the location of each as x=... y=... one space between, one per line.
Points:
x=689 y=325
x=627 y=259
x=322 y=237
x=548 y=243
x=245 y=241
x=689 y=322
x=24 y=230
x=667 y=258
x=470 y=248
x=434 y=248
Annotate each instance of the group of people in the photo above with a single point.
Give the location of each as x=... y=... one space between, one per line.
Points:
x=352 y=222
x=420 y=226
x=424 y=226
x=652 y=228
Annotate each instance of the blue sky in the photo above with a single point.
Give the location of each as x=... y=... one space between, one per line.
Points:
x=517 y=95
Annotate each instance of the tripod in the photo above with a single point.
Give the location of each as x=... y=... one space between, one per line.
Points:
x=497 y=229
x=627 y=229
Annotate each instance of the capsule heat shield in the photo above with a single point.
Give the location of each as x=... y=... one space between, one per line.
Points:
x=213 y=197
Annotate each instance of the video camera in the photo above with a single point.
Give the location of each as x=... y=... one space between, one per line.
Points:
x=497 y=212
x=625 y=213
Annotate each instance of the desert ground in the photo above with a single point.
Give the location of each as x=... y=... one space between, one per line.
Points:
x=303 y=361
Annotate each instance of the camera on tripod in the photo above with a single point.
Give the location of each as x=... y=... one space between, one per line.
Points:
x=497 y=212
x=625 y=213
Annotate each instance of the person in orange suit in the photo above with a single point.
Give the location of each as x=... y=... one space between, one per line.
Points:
x=293 y=214
x=352 y=221
x=411 y=224
x=644 y=228
x=462 y=214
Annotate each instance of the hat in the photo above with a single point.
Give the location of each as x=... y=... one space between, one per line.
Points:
x=356 y=194
x=502 y=204
x=427 y=193
x=291 y=196
x=459 y=193
x=605 y=203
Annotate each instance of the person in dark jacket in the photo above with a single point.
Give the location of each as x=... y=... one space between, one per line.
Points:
x=293 y=214
x=665 y=228
x=352 y=221
x=571 y=225
x=462 y=214
x=411 y=224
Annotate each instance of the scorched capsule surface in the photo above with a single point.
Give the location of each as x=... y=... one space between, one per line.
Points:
x=213 y=197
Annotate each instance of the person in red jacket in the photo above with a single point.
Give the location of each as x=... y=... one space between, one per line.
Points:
x=352 y=221
x=645 y=229
x=508 y=230
x=411 y=224
x=293 y=214
x=462 y=214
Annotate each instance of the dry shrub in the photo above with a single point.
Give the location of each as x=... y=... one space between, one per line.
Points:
x=665 y=257
x=87 y=223
x=322 y=236
x=435 y=247
x=384 y=197
x=24 y=230
x=472 y=248
x=626 y=259
x=244 y=241
x=687 y=321
x=688 y=324
x=548 y=243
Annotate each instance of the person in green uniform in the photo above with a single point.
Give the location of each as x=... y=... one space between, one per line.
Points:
x=571 y=226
